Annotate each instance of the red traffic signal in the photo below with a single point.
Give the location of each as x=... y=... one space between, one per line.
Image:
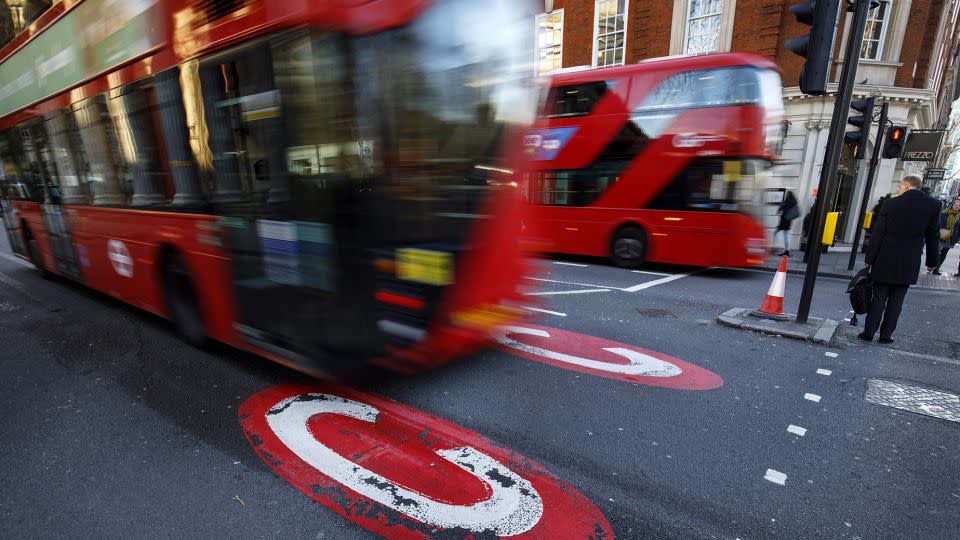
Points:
x=893 y=143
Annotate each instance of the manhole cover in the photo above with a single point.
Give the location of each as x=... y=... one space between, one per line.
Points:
x=657 y=313
x=907 y=397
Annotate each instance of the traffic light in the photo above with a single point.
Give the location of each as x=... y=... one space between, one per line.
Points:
x=893 y=142
x=858 y=139
x=817 y=46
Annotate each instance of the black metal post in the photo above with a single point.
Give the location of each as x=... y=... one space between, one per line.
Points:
x=828 y=172
x=868 y=184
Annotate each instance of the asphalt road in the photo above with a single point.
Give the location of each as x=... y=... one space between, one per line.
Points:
x=112 y=427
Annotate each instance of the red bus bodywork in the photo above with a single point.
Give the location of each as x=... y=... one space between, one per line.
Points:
x=487 y=275
x=677 y=235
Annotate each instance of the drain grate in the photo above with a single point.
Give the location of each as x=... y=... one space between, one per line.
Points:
x=700 y=304
x=657 y=313
x=907 y=397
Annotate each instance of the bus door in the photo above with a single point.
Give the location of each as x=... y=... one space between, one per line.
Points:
x=11 y=189
x=292 y=223
x=41 y=153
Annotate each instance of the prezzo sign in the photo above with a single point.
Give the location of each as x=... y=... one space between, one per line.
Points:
x=402 y=473
x=922 y=144
x=604 y=358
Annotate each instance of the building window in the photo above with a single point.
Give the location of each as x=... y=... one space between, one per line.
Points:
x=872 y=46
x=549 y=42
x=702 y=35
x=610 y=31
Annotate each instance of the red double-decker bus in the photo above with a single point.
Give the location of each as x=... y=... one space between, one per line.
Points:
x=312 y=181
x=658 y=161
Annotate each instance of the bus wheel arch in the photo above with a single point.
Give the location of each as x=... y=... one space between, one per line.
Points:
x=629 y=245
x=181 y=296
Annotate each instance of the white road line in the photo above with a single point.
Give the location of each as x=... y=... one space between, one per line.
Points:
x=797 y=430
x=574 y=283
x=547 y=311
x=661 y=281
x=822 y=371
x=570 y=264
x=812 y=397
x=17 y=260
x=831 y=354
x=651 y=273
x=776 y=477
x=580 y=291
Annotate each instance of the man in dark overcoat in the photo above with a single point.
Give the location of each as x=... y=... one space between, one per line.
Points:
x=905 y=224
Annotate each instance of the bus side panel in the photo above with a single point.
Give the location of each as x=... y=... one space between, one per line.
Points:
x=122 y=257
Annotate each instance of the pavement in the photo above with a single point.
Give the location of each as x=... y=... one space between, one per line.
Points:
x=834 y=264
x=622 y=389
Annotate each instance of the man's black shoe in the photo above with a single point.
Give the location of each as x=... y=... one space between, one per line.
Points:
x=865 y=337
x=885 y=340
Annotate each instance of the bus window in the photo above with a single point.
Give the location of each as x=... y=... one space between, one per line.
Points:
x=573 y=99
x=711 y=184
x=69 y=156
x=104 y=168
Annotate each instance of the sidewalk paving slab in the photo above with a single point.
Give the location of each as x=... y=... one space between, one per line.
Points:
x=817 y=330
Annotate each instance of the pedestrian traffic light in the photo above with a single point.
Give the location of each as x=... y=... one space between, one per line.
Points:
x=893 y=142
x=817 y=46
x=858 y=139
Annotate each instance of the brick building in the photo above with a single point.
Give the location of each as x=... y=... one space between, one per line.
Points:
x=907 y=58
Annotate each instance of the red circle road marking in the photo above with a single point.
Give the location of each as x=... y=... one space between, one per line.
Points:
x=604 y=358
x=402 y=473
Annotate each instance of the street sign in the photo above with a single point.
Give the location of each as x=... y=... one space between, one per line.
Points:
x=402 y=473
x=922 y=145
x=934 y=174
x=604 y=358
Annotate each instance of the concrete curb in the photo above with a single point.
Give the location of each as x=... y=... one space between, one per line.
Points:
x=820 y=331
x=849 y=276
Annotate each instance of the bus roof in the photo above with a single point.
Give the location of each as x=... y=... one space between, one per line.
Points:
x=670 y=63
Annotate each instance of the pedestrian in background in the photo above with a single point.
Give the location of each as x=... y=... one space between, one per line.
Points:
x=949 y=231
x=905 y=224
x=789 y=210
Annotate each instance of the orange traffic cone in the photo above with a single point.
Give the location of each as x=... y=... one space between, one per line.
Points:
x=772 y=307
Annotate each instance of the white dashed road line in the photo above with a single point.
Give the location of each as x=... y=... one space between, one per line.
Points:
x=822 y=371
x=776 y=477
x=547 y=311
x=572 y=283
x=570 y=264
x=650 y=273
x=661 y=281
x=812 y=397
x=797 y=430
x=831 y=354
x=579 y=291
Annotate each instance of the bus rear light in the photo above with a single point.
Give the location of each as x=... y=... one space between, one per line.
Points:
x=399 y=300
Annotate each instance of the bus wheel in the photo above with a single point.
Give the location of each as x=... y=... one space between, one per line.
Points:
x=182 y=305
x=629 y=247
x=34 y=254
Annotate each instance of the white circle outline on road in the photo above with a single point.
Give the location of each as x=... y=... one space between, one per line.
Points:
x=120 y=258
x=514 y=506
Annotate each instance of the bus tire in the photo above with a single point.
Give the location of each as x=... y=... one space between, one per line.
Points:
x=34 y=254
x=181 y=298
x=628 y=248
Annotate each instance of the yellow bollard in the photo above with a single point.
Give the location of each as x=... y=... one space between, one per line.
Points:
x=867 y=220
x=830 y=228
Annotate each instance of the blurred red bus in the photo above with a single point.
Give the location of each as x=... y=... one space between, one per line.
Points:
x=311 y=181
x=658 y=161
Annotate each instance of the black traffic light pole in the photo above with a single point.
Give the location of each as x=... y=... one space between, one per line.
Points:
x=868 y=184
x=828 y=172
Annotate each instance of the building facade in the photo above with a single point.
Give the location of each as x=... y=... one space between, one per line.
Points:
x=907 y=58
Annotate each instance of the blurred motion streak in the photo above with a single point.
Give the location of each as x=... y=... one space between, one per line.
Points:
x=333 y=185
